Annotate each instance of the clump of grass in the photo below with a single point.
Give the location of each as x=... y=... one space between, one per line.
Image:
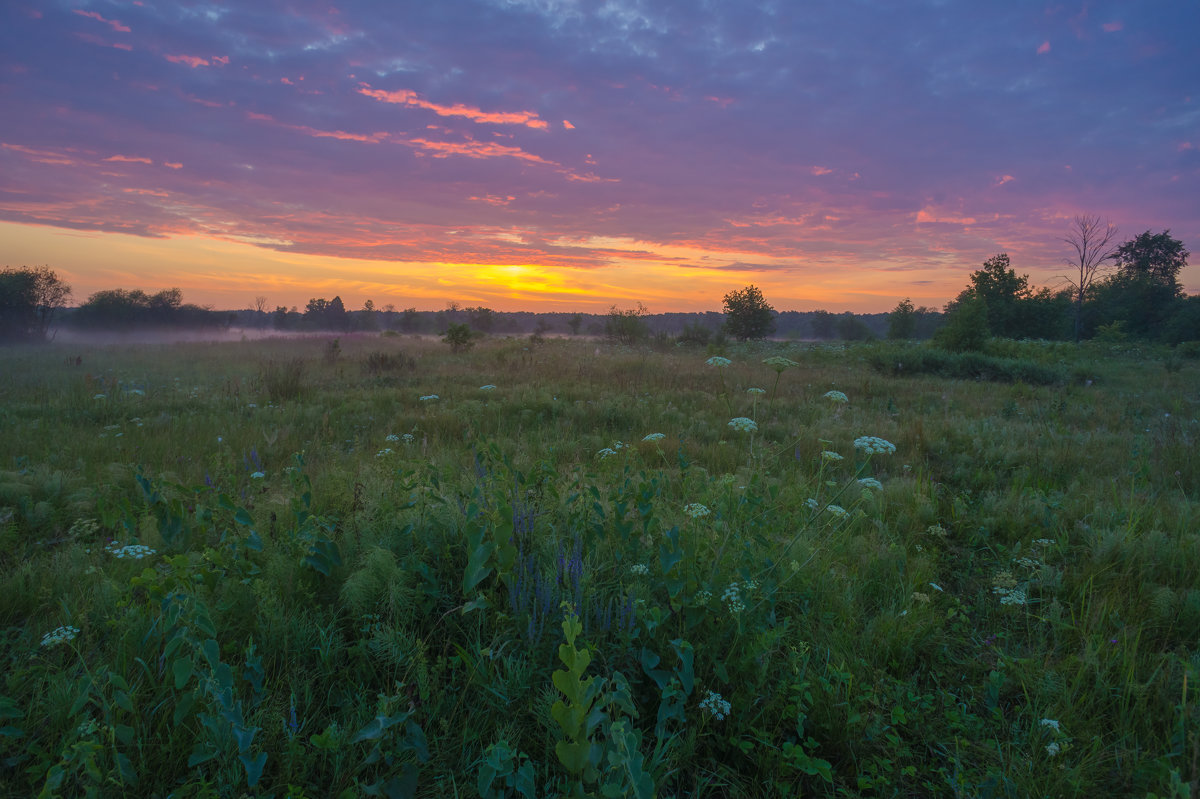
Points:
x=382 y=363
x=283 y=380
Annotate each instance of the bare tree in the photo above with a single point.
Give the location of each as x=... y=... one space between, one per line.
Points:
x=1093 y=243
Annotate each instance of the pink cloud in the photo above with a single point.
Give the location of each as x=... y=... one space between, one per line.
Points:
x=41 y=156
x=568 y=125
x=112 y=23
x=821 y=170
x=1044 y=48
x=1000 y=181
x=368 y=138
x=150 y=192
x=410 y=98
x=928 y=215
x=173 y=164
x=223 y=60
x=1113 y=27
x=475 y=149
x=129 y=159
x=192 y=61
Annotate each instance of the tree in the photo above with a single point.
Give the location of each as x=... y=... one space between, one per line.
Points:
x=29 y=298
x=1155 y=257
x=902 y=321
x=1092 y=245
x=747 y=314
x=851 y=328
x=628 y=326
x=966 y=328
x=322 y=314
x=460 y=337
x=1002 y=291
x=574 y=322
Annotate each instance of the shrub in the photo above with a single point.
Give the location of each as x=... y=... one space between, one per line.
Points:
x=378 y=363
x=963 y=365
x=460 y=337
x=283 y=380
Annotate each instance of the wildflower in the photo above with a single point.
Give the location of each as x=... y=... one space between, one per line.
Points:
x=920 y=597
x=639 y=570
x=828 y=455
x=702 y=597
x=873 y=445
x=870 y=482
x=732 y=597
x=742 y=424
x=779 y=363
x=130 y=551
x=756 y=391
x=392 y=437
x=718 y=361
x=1046 y=542
x=695 y=510
x=1052 y=724
x=838 y=397
x=407 y=438
x=654 y=437
x=98 y=396
x=258 y=475
x=604 y=453
x=1011 y=596
x=429 y=397
x=715 y=705
x=837 y=510
x=812 y=503
x=251 y=405
x=383 y=452
x=1052 y=748
x=59 y=635
x=488 y=387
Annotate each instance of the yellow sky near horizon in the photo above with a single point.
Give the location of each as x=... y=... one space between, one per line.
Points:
x=227 y=275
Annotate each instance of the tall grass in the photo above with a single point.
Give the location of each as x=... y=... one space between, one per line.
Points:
x=405 y=572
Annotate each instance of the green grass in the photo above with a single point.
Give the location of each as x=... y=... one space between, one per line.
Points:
x=354 y=591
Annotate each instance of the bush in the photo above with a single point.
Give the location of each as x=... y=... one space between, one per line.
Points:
x=378 y=363
x=966 y=328
x=963 y=365
x=626 y=327
x=460 y=337
x=695 y=335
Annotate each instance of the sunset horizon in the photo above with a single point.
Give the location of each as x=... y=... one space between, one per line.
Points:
x=556 y=157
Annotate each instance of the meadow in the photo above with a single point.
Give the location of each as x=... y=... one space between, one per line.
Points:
x=371 y=567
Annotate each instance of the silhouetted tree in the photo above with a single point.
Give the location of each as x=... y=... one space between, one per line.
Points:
x=748 y=315
x=1092 y=244
x=29 y=298
x=902 y=321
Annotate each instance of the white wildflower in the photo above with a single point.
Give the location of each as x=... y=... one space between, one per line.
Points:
x=732 y=597
x=716 y=706
x=383 y=453
x=59 y=635
x=1052 y=724
x=258 y=475
x=639 y=569
x=488 y=387
x=838 y=397
x=829 y=455
x=870 y=482
x=604 y=453
x=129 y=551
x=429 y=397
x=779 y=363
x=742 y=424
x=407 y=438
x=1052 y=748
x=756 y=391
x=695 y=510
x=392 y=437
x=812 y=503
x=718 y=361
x=654 y=437
x=873 y=445
x=837 y=510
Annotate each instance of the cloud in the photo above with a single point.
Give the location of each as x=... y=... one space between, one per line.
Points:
x=1044 y=47
x=410 y=98
x=112 y=23
x=1113 y=27
x=1000 y=181
x=474 y=149
x=129 y=159
x=191 y=60
x=567 y=125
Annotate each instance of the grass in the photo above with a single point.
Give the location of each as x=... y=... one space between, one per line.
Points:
x=511 y=592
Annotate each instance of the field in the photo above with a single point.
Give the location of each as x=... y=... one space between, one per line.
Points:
x=540 y=568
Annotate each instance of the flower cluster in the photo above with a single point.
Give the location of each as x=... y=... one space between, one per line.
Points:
x=718 y=361
x=488 y=387
x=716 y=706
x=742 y=424
x=830 y=455
x=695 y=510
x=756 y=391
x=392 y=437
x=407 y=438
x=837 y=510
x=1011 y=596
x=779 y=363
x=870 y=482
x=606 y=452
x=258 y=475
x=838 y=397
x=428 y=397
x=874 y=445
x=129 y=551
x=383 y=453
x=59 y=635
x=639 y=570
x=732 y=596
x=654 y=437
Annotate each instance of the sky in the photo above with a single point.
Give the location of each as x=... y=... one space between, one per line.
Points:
x=551 y=155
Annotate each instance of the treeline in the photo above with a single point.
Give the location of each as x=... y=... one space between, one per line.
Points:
x=121 y=310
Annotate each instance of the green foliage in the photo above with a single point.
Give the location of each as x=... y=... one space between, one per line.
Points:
x=1155 y=257
x=283 y=381
x=902 y=321
x=748 y=315
x=358 y=593
x=628 y=326
x=966 y=328
x=460 y=337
